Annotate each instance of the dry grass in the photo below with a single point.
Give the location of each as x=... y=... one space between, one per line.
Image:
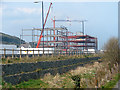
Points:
x=59 y=81
x=42 y=58
x=92 y=76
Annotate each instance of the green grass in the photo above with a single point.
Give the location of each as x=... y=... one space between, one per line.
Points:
x=0 y=80
x=66 y=83
x=32 y=83
x=29 y=84
x=113 y=82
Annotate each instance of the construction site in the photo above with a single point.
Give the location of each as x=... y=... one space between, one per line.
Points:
x=60 y=38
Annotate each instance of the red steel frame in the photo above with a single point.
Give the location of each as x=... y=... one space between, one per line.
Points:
x=74 y=41
x=71 y=39
x=68 y=37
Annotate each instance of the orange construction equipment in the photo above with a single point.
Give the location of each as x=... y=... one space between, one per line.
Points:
x=43 y=26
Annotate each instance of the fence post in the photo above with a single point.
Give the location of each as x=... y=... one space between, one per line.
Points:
x=65 y=52
x=43 y=52
x=12 y=53
x=33 y=53
x=60 y=52
x=74 y=52
x=27 y=53
x=55 y=52
x=79 y=52
x=52 y=52
x=69 y=52
x=48 y=52
x=4 y=52
x=20 y=53
x=38 y=52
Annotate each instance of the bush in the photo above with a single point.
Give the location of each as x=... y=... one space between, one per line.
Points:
x=112 y=50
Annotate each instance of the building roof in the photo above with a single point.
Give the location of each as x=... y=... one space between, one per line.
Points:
x=26 y=45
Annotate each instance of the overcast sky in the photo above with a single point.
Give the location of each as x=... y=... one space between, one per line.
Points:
x=102 y=17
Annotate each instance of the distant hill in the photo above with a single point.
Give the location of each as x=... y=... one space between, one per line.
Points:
x=8 y=39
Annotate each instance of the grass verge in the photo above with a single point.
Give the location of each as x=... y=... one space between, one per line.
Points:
x=43 y=58
x=29 y=84
x=113 y=82
x=58 y=81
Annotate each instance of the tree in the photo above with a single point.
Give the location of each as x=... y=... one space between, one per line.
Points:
x=112 y=50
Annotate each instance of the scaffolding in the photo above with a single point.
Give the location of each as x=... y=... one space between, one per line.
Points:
x=61 y=39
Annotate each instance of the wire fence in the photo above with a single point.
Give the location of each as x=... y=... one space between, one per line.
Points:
x=4 y=53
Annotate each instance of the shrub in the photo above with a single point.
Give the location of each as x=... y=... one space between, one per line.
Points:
x=77 y=80
x=112 y=50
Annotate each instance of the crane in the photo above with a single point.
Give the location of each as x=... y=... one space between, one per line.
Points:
x=43 y=26
x=82 y=21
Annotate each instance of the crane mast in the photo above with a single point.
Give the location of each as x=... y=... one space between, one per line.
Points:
x=43 y=26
